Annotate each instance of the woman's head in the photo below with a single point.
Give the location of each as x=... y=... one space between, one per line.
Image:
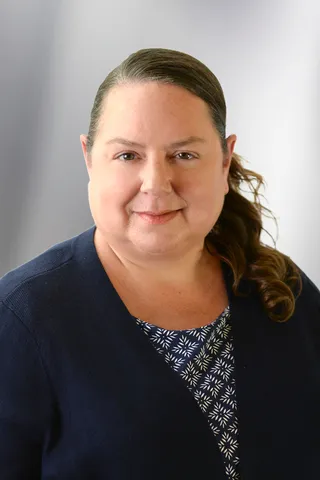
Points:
x=154 y=100
x=157 y=97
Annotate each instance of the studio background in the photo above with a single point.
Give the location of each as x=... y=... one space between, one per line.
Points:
x=266 y=55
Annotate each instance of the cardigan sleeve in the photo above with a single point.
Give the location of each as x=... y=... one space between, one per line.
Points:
x=25 y=400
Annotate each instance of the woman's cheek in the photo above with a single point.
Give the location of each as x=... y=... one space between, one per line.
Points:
x=114 y=194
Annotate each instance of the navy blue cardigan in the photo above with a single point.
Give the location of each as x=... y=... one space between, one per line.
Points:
x=85 y=395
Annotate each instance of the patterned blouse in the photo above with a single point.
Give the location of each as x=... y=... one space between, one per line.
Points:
x=203 y=357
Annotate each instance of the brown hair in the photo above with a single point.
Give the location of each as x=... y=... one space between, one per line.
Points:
x=236 y=234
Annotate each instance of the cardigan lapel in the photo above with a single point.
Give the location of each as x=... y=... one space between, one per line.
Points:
x=274 y=384
x=249 y=324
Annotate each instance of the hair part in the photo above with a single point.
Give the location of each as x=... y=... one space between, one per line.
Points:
x=236 y=234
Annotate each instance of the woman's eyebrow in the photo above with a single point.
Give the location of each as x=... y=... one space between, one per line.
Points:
x=179 y=143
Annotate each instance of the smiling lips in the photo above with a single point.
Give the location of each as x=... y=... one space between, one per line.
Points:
x=158 y=218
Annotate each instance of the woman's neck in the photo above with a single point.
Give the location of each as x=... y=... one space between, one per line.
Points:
x=187 y=270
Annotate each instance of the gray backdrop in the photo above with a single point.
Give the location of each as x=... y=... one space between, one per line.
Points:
x=55 y=54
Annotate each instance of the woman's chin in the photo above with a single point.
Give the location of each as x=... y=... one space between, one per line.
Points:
x=156 y=246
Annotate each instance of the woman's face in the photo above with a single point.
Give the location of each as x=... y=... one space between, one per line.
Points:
x=146 y=158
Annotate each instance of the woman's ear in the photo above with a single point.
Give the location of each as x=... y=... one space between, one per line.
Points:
x=231 y=141
x=87 y=156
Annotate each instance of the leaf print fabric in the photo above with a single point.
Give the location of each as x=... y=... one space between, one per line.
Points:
x=203 y=357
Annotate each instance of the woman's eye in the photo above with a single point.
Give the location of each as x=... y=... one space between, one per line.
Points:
x=126 y=154
x=186 y=153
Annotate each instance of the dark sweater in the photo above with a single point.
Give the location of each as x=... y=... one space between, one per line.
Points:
x=84 y=394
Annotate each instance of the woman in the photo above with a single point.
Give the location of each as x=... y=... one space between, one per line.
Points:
x=166 y=341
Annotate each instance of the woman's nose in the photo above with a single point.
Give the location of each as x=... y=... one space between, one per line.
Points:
x=156 y=176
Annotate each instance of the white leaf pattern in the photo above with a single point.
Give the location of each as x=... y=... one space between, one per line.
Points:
x=214 y=345
x=185 y=347
x=203 y=360
x=191 y=375
x=164 y=338
x=203 y=400
x=222 y=368
x=173 y=361
x=201 y=333
x=228 y=445
x=203 y=357
x=212 y=383
x=227 y=351
x=220 y=414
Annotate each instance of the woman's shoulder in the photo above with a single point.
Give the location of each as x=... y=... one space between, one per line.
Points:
x=37 y=278
x=309 y=284
x=306 y=316
x=41 y=265
x=310 y=293
x=54 y=284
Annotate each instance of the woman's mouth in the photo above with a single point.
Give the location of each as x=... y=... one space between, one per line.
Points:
x=157 y=218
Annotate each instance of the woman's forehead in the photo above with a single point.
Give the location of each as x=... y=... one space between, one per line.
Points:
x=139 y=109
